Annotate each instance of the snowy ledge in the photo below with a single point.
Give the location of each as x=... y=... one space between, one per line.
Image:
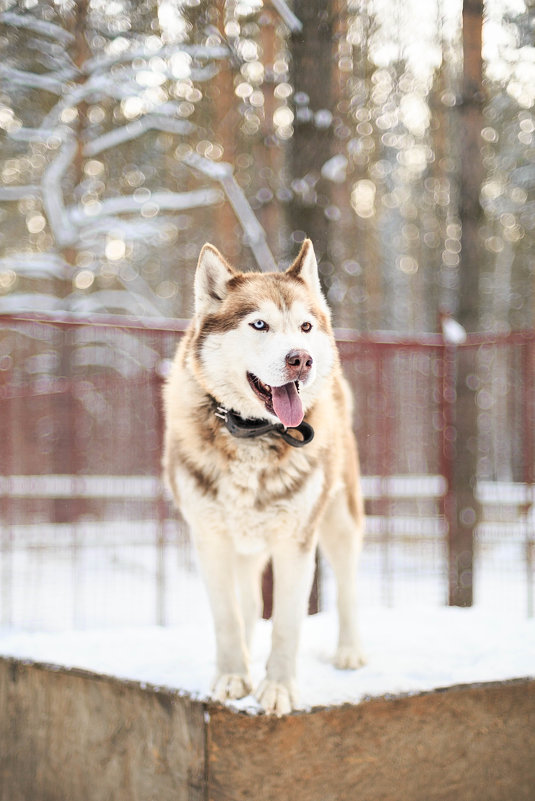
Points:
x=410 y=651
x=69 y=733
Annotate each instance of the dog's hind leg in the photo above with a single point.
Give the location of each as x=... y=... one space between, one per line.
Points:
x=218 y=565
x=340 y=541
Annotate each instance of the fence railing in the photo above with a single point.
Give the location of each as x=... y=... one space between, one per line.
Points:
x=81 y=429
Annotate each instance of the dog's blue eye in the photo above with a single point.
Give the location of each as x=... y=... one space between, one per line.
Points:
x=306 y=327
x=259 y=325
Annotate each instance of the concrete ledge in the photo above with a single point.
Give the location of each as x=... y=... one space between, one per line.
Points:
x=70 y=735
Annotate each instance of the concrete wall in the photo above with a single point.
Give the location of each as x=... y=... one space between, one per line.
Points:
x=68 y=735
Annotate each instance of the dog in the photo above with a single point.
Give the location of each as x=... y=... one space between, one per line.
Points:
x=260 y=458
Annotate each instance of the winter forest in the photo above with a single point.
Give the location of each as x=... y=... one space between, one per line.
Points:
x=398 y=135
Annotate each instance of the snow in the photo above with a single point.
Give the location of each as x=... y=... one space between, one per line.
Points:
x=453 y=332
x=411 y=648
x=409 y=651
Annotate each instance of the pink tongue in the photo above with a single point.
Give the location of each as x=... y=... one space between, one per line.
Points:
x=287 y=404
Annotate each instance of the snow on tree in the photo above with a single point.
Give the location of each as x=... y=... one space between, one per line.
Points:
x=136 y=131
x=104 y=107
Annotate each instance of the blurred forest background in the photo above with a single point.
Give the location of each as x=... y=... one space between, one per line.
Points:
x=398 y=134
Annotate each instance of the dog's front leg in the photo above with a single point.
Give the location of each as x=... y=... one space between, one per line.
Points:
x=293 y=568
x=218 y=565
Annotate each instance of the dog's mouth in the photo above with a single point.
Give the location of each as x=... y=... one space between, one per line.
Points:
x=283 y=401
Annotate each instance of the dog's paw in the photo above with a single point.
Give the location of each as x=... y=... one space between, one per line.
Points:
x=276 y=698
x=229 y=686
x=348 y=657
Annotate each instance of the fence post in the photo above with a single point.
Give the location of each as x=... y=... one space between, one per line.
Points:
x=528 y=402
x=459 y=448
x=7 y=425
x=157 y=380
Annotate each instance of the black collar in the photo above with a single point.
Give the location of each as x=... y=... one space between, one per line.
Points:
x=248 y=429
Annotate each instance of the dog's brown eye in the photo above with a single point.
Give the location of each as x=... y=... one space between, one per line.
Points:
x=259 y=325
x=306 y=327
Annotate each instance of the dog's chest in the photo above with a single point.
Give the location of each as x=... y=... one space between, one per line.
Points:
x=260 y=497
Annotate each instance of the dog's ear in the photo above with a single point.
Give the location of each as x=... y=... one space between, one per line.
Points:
x=211 y=278
x=305 y=267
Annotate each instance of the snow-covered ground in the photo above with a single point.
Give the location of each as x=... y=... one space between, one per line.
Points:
x=409 y=650
x=95 y=608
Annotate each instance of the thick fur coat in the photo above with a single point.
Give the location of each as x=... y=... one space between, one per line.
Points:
x=261 y=345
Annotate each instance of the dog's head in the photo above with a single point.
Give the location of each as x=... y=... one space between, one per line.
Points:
x=263 y=343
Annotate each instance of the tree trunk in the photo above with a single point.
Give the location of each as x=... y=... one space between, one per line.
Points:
x=67 y=510
x=310 y=76
x=464 y=475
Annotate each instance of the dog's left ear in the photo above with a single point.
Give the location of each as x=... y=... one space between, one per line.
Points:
x=305 y=267
x=211 y=279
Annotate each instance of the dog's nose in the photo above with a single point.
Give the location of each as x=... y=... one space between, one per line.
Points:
x=298 y=364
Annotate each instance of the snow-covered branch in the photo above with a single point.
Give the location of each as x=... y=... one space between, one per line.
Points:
x=136 y=128
x=38 y=26
x=51 y=53
x=64 y=232
x=175 y=201
x=18 y=192
x=50 y=83
x=95 y=86
x=35 y=265
x=217 y=170
x=294 y=24
x=131 y=229
x=256 y=236
x=200 y=52
x=32 y=134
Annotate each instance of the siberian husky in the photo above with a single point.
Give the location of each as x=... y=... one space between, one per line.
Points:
x=261 y=460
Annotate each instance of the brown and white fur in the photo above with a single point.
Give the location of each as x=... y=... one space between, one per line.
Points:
x=247 y=500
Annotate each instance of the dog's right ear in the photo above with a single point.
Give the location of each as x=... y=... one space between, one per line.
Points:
x=211 y=279
x=305 y=267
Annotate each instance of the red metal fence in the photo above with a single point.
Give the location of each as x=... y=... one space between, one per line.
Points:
x=80 y=448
